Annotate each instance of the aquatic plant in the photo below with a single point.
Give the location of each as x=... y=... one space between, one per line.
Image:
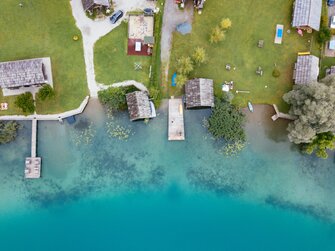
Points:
x=118 y=131
x=84 y=134
x=232 y=149
x=8 y=131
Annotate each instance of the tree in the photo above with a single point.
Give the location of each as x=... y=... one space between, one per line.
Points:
x=217 y=35
x=184 y=65
x=313 y=104
x=275 y=73
x=226 y=121
x=225 y=23
x=8 y=131
x=25 y=101
x=324 y=35
x=46 y=92
x=320 y=144
x=199 y=55
x=114 y=98
x=180 y=80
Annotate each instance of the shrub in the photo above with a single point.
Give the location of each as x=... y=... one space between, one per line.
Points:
x=275 y=73
x=199 y=55
x=25 y=101
x=46 y=92
x=324 y=35
x=114 y=98
x=156 y=96
x=180 y=80
x=225 y=23
x=184 y=65
x=217 y=35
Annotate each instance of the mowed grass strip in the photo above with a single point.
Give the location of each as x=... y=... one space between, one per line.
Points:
x=112 y=64
x=251 y=21
x=45 y=29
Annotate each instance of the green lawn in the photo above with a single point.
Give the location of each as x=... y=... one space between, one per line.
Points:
x=112 y=64
x=41 y=29
x=252 y=21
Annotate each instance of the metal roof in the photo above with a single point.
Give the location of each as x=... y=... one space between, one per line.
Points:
x=307 y=13
x=306 y=69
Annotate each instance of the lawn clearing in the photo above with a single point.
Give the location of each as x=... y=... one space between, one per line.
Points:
x=251 y=21
x=45 y=29
x=112 y=64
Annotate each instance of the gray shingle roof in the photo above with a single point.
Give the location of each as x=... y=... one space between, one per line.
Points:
x=138 y=105
x=87 y=4
x=307 y=13
x=306 y=69
x=199 y=92
x=22 y=73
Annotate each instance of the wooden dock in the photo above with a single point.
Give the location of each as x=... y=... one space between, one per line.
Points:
x=281 y=115
x=33 y=164
x=176 y=120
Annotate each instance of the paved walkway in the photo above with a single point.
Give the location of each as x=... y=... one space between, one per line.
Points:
x=172 y=17
x=138 y=85
x=58 y=117
x=94 y=30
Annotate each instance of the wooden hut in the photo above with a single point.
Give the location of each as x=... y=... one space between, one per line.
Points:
x=138 y=105
x=199 y=92
x=24 y=73
x=307 y=14
x=306 y=69
x=90 y=5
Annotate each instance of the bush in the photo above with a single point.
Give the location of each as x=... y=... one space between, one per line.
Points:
x=46 y=92
x=324 y=35
x=8 y=131
x=184 y=65
x=114 y=98
x=217 y=35
x=225 y=23
x=199 y=55
x=226 y=122
x=25 y=101
x=156 y=96
x=275 y=73
x=180 y=80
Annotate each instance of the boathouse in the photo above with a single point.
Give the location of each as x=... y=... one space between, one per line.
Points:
x=307 y=14
x=25 y=73
x=90 y=5
x=139 y=106
x=199 y=92
x=306 y=69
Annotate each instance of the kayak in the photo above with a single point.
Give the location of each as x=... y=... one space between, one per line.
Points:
x=250 y=107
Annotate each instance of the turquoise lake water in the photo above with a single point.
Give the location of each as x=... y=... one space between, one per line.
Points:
x=145 y=193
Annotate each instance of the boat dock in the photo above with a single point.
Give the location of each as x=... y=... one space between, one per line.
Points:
x=33 y=164
x=176 y=119
x=281 y=115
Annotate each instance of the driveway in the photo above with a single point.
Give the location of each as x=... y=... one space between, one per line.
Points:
x=172 y=17
x=94 y=30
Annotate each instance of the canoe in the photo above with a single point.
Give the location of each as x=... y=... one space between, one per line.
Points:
x=250 y=107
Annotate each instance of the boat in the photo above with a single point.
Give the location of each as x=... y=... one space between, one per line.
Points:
x=250 y=107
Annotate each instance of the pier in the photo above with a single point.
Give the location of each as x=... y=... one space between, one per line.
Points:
x=281 y=115
x=33 y=164
x=176 y=120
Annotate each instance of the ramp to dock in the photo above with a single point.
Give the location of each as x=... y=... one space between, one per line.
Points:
x=176 y=120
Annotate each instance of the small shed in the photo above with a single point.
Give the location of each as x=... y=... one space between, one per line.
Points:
x=307 y=14
x=138 y=105
x=89 y=5
x=306 y=69
x=199 y=92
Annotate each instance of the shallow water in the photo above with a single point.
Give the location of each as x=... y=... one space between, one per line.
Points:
x=145 y=193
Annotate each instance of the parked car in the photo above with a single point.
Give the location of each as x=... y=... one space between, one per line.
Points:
x=116 y=16
x=148 y=11
x=330 y=2
x=332 y=22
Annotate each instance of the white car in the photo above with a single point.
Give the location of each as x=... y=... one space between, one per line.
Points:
x=332 y=22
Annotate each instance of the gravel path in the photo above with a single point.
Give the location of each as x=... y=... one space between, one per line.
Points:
x=93 y=30
x=172 y=17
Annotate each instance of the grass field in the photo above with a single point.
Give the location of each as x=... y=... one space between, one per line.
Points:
x=112 y=64
x=45 y=29
x=252 y=21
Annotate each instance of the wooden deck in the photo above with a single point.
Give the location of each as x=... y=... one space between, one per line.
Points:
x=176 y=120
x=281 y=115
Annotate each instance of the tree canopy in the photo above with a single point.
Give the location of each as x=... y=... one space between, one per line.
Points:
x=114 y=98
x=45 y=92
x=217 y=35
x=225 y=23
x=314 y=105
x=199 y=55
x=226 y=121
x=25 y=101
x=8 y=131
x=320 y=144
x=184 y=65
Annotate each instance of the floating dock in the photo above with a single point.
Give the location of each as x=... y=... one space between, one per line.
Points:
x=176 y=119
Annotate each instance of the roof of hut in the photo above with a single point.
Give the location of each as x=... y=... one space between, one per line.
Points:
x=307 y=13
x=87 y=4
x=199 y=92
x=22 y=73
x=138 y=105
x=306 y=69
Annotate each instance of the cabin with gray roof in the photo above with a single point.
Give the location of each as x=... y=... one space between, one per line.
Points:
x=307 y=14
x=139 y=106
x=90 y=5
x=25 y=73
x=306 y=69
x=199 y=92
